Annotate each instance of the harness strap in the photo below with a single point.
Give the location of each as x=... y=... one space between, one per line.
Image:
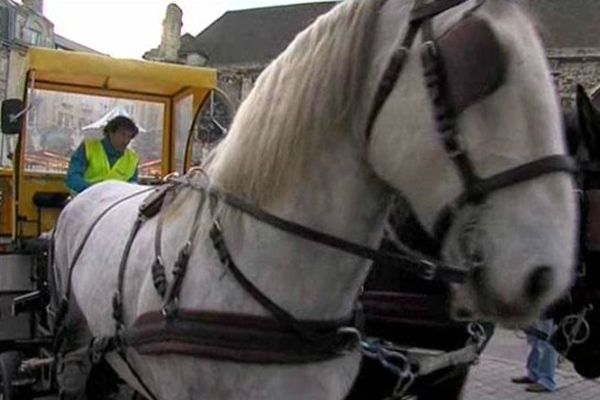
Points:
x=234 y=337
x=102 y=345
x=482 y=187
x=64 y=303
x=320 y=340
x=180 y=267
x=394 y=69
x=118 y=296
x=422 y=265
x=159 y=278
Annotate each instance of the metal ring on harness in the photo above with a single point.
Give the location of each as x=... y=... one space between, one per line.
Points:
x=572 y=327
x=170 y=176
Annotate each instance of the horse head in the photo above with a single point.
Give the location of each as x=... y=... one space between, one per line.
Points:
x=485 y=104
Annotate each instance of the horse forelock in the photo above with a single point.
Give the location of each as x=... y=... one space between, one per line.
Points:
x=304 y=98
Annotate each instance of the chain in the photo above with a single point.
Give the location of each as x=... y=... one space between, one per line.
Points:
x=394 y=360
x=477 y=337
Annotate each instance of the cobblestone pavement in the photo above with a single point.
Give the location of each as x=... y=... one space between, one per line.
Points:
x=504 y=358
x=490 y=380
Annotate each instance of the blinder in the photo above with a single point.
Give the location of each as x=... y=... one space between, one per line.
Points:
x=472 y=62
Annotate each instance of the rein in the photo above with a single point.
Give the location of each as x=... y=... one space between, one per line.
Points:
x=422 y=266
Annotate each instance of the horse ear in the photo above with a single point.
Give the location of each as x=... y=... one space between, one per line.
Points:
x=589 y=122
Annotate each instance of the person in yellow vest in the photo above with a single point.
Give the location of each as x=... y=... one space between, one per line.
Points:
x=109 y=158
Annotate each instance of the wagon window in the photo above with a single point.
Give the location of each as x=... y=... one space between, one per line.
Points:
x=183 y=121
x=211 y=126
x=59 y=121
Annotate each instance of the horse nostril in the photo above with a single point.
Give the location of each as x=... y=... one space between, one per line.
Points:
x=539 y=282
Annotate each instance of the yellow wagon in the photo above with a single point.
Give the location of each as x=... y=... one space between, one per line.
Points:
x=67 y=96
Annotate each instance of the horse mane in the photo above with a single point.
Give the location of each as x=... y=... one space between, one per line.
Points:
x=309 y=89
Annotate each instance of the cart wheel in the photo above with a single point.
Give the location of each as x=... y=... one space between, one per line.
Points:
x=9 y=364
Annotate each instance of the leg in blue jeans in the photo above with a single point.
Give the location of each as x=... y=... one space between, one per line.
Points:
x=542 y=358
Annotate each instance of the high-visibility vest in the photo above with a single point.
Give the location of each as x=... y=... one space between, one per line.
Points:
x=99 y=168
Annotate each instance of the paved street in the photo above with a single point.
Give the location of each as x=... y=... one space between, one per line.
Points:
x=505 y=358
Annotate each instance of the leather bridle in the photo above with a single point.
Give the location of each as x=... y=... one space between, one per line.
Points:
x=476 y=188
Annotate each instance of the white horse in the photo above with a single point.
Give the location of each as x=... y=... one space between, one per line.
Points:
x=299 y=149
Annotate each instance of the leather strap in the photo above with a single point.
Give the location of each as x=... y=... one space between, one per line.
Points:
x=412 y=261
x=285 y=319
x=479 y=189
x=236 y=337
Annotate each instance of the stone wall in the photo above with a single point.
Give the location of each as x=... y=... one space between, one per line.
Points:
x=571 y=67
x=3 y=71
x=36 y=5
x=17 y=64
x=237 y=82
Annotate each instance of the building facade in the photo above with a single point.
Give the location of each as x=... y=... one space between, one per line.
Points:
x=241 y=43
x=22 y=26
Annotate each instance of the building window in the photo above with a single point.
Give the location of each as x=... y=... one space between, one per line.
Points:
x=4 y=23
x=33 y=37
x=33 y=34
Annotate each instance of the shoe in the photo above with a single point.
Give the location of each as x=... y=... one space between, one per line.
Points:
x=522 y=379
x=537 y=388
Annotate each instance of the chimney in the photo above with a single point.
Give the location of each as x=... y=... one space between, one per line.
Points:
x=169 y=44
x=35 y=5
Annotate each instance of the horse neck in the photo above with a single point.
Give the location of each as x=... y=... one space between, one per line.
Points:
x=339 y=196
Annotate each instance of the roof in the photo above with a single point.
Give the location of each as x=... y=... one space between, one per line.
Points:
x=256 y=35
x=104 y=72
x=567 y=23
x=68 y=44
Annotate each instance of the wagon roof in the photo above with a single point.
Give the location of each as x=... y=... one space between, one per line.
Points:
x=104 y=72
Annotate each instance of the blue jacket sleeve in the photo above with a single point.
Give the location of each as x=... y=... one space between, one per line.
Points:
x=134 y=178
x=75 y=175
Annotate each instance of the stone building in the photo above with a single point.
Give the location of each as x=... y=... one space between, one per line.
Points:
x=241 y=43
x=570 y=30
x=22 y=26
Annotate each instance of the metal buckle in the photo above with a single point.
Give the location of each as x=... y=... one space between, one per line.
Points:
x=429 y=270
x=477 y=334
x=170 y=176
x=431 y=49
x=198 y=169
x=392 y=359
